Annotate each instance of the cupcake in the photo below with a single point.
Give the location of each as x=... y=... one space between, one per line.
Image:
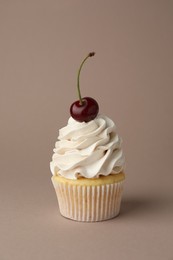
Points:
x=87 y=164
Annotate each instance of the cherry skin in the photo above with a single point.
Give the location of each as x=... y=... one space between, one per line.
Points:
x=86 y=111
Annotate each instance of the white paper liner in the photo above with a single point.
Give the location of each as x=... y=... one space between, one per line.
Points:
x=89 y=203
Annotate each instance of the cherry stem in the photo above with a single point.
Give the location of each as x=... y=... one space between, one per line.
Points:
x=78 y=77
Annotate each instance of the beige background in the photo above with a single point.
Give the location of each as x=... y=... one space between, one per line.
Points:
x=41 y=46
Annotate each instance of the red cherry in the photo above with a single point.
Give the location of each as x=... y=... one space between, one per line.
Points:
x=86 y=111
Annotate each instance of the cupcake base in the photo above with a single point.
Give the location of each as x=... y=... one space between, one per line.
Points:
x=89 y=200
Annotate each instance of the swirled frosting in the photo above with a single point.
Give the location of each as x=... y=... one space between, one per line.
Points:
x=87 y=149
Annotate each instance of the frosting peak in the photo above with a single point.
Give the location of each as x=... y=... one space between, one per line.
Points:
x=87 y=149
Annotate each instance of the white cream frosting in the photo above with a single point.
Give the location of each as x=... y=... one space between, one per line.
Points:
x=87 y=149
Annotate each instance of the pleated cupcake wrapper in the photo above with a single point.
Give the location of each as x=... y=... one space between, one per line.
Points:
x=89 y=203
